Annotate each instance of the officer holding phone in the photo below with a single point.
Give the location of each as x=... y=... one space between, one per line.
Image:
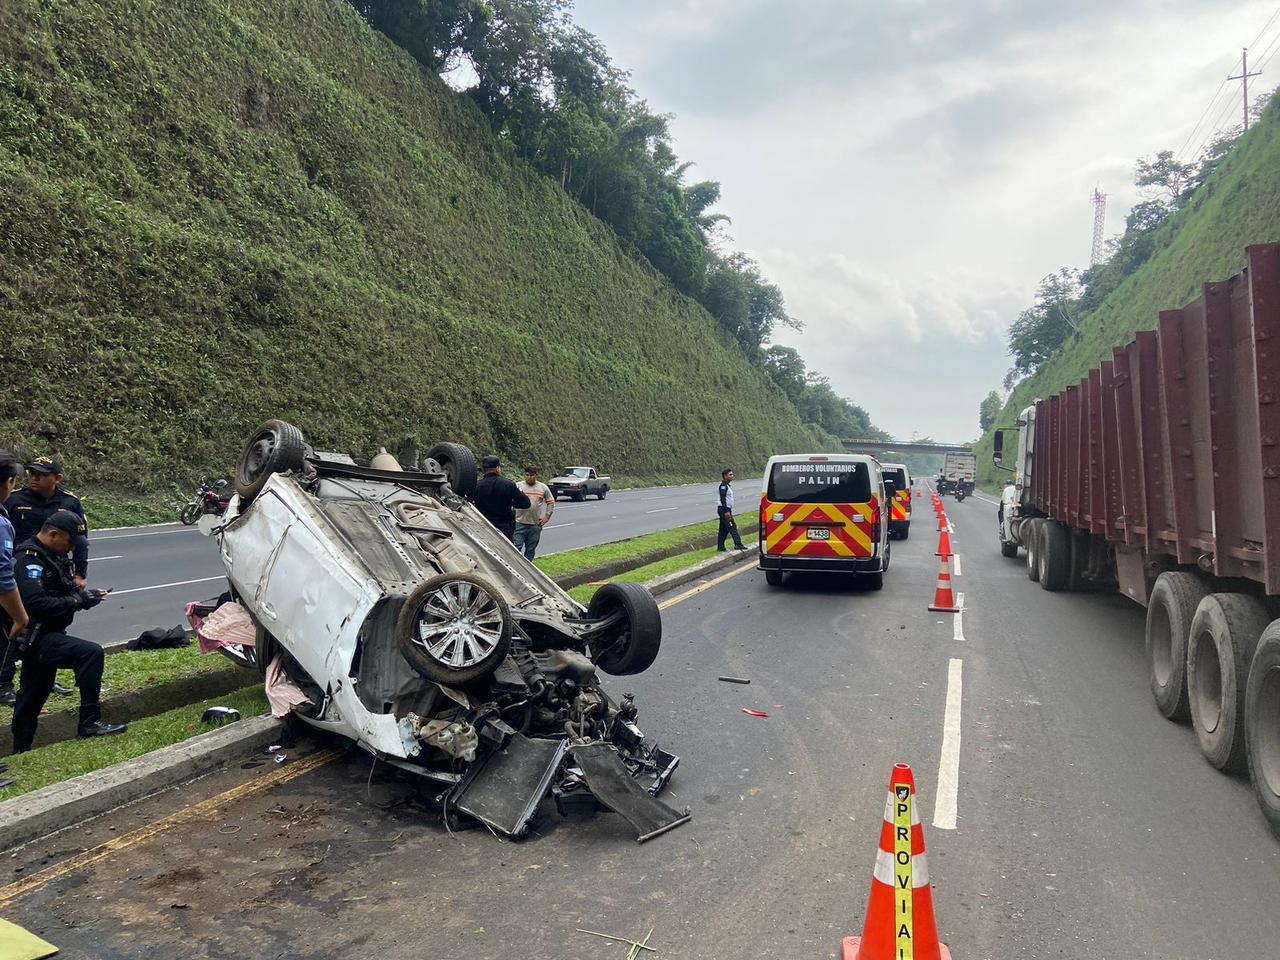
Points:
x=47 y=582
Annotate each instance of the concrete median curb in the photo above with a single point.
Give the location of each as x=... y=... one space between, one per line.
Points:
x=30 y=816
x=37 y=814
x=606 y=571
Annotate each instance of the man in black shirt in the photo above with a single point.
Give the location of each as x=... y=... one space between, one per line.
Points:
x=498 y=498
x=47 y=583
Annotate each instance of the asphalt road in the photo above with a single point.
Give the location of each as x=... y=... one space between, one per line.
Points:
x=1085 y=825
x=154 y=571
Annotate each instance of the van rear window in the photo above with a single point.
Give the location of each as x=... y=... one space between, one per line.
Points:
x=899 y=478
x=819 y=483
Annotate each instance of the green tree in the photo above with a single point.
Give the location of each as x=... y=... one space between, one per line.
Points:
x=1166 y=173
x=988 y=410
x=1044 y=327
x=786 y=368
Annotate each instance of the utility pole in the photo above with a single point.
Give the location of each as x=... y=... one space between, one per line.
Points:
x=1244 y=76
x=1099 y=224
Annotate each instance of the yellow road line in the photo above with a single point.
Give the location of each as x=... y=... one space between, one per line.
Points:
x=705 y=586
x=199 y=811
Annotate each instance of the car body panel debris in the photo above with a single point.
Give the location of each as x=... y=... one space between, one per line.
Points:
x=409 y=624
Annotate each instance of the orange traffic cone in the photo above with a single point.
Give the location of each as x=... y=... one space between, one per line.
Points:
x=918 y=493
x=944 y=600
x=944 y=543
x=900 y=919
x=942 y=522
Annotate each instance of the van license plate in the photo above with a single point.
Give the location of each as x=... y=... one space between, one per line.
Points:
x=819 y=533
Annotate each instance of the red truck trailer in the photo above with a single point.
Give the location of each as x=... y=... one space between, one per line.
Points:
x=1159 y=473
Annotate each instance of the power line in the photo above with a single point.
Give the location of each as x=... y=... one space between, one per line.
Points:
x=1217 y=93
x=1266 y=27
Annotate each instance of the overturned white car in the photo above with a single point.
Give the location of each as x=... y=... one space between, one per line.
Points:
x=415 y=628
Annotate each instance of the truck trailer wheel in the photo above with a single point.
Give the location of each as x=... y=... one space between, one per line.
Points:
x=1172 y=607
x=1032 y=544
x=1262 y=724
x=1224 y=634
x=1054 y=558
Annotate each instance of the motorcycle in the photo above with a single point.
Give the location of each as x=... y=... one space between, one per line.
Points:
x=960 y=493
x=208 y=499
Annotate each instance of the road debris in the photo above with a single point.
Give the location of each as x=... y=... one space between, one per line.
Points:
x=636 y=945
x=754 y=713
x=733 y=679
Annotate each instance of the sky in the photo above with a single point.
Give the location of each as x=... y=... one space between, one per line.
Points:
x=908 y=170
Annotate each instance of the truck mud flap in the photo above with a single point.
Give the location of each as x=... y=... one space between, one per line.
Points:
x=504 y=787
x=611 y=784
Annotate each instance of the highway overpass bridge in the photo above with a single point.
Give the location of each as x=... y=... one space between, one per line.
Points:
x=877 y=447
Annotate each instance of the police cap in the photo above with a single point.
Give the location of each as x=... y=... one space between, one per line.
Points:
x=66 y=521
x=44 y=465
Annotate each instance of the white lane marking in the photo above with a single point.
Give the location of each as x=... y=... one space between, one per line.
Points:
x=662 y=510
x=119 y=556
x=957 y=560
x=957 y=628
x=950 y=528
x=94 y=538
x=142 y=526
x=553 y=526
x=161 y=586
x=994 y=503
x=944 y=807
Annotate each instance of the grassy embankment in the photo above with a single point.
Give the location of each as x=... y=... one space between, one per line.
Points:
x=215 y=214
x=1205 y=241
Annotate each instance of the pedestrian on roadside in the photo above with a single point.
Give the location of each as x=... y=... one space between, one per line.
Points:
x=13 y=615
x=28 y=509
x=498 y=498
x=724 y=509
x=46 y=579
x=530 y=521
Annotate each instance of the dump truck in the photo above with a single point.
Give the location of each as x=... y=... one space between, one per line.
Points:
x=1159 y=474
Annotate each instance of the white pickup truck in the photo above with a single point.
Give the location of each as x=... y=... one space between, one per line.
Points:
x=577 y=482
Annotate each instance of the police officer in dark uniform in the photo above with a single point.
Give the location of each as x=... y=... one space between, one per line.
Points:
x=28 y=509
x=47 y=582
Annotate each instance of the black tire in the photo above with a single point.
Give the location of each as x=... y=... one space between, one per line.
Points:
x=888 y=555
x=873 y=581
x=1172 y=607
x=1032 y=542
x=448 y=590
x=190 y=514
x=458 y=463
x=1262 y=724
x=580 y=496
x=275 y=447
x=1224 y=635
x=265 y=648
x=603 y=491
x=904 y=531
x=638 y=640
x=773 y=578
x=1055 y=555
x=1008 y=549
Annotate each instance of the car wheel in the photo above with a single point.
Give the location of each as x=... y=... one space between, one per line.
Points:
x=454 y=629
x=579 y=496
x=639 y=636
x=275 y=447
x=603 y=491
x=458 y=463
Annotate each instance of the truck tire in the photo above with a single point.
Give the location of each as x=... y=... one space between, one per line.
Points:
x=1055 y=555
x=454 y=629
x=1262 y=724
x=1008 y=548
x=1224 y=635
x=458 y=463
x=1032 y=543
x=275 y=447
x=636 y=646
x=1172 y=607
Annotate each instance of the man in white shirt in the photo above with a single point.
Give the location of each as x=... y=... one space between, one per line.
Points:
x=531 y=520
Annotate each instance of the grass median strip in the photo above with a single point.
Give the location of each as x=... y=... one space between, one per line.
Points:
x=133 y=670
x=71 y=758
